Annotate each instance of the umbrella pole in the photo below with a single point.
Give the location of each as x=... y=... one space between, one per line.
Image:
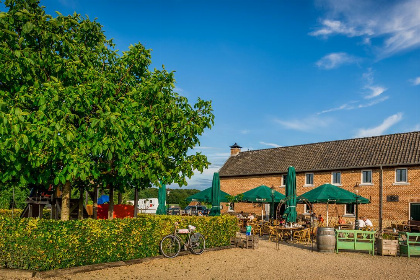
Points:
x=327 y=213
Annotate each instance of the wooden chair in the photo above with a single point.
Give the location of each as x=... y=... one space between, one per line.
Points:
x=273 y=236
x=302 y=235
x=256 y=229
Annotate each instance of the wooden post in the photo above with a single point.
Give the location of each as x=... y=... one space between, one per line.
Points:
x=111 y=202
x=119 y=197
x=65 y=204
x=136 y=202
x=95 y=202
x=80 y=212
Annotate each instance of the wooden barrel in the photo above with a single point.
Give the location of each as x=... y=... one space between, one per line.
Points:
x=325 y=239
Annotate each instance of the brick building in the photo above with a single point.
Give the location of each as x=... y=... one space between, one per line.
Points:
x=387 y=169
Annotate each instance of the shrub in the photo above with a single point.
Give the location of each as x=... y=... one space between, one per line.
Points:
x=39 y=244
x=46 y=213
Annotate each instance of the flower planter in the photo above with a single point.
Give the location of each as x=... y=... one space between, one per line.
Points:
x=387 y=247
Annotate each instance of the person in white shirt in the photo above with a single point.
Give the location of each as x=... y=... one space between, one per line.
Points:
x=361 y=223
x=367 y=222
x=251 y=217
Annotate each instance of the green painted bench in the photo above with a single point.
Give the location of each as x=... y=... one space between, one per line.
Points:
x=358 y=240
x=409 y=243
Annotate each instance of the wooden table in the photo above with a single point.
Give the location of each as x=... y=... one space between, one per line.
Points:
x=344 y=226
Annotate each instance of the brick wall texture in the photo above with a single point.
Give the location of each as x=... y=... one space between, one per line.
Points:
x=393 y=212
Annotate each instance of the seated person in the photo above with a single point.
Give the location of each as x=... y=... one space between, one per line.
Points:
x=241 y=215
x=367 y=222
x=200 y=213
x=251 y=217
x=361 y=223
x=341 y=220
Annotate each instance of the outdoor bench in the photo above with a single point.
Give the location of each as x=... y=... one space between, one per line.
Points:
x=409 y=243
x=355 y=240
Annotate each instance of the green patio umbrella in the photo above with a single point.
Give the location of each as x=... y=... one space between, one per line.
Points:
x=290 y=211
x=215 y=196
x=328 y=193
x=205 y=196
x=161 y=210
x=261 y=194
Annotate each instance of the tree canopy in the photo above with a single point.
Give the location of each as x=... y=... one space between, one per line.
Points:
x=73 y=110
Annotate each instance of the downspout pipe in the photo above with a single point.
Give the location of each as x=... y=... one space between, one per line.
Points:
x=381 y=201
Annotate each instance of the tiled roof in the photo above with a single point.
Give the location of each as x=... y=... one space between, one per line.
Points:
x=387 y=150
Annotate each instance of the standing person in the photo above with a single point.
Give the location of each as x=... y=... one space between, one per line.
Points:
x=248 y=229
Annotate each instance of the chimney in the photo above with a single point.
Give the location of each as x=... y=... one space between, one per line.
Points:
x=235 y=149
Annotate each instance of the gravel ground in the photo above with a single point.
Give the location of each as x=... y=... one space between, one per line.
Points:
x=288 y=262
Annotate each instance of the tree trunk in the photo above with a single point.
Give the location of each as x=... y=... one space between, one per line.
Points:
x=53 y=206
x=65 y=204
x=80 y=212
x=95 y=202
x=111 y=202
x=119 y=197
x=136 y=202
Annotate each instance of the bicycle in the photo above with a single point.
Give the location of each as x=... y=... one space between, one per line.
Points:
x=170 y=245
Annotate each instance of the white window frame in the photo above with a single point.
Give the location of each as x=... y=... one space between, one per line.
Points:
x=283 y=182
x=371 y=177
x=306 y=182
x=332 y=178
x=306 y=209
x=231 y=207
x=349 y=214
x=401 y=182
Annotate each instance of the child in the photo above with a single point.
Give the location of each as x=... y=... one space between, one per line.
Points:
x=248 y=229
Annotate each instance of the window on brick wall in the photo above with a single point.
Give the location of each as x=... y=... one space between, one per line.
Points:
x=309 y=179
x=349 y=209
x=401 y=175
x=283 y=179
x=336 y=178
x=231 y=207
x=366 y=176
x=306 y=209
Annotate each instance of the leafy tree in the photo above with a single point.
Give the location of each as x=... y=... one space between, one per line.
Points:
x=72 y=111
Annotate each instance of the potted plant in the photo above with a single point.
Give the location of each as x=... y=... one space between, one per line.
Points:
x=387 y=244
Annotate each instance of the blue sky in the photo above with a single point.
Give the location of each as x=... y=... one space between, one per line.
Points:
x=279 y=73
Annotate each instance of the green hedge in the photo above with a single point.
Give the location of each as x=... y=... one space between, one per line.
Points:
x=8 y=213
x=46 y=213
x=39 y=244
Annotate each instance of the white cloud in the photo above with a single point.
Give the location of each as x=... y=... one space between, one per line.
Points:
x=374 y=90
x=331 y=27
x=394 y=25
x=380 y=129
x=334 y=60
x=374 y=102
x=307 y=124
x=354 y=105
x=245 y=131
x=270 y=144
x=415 y=81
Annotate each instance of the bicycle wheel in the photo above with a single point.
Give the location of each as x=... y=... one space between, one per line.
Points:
x=197 y=243
x=170 y=246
